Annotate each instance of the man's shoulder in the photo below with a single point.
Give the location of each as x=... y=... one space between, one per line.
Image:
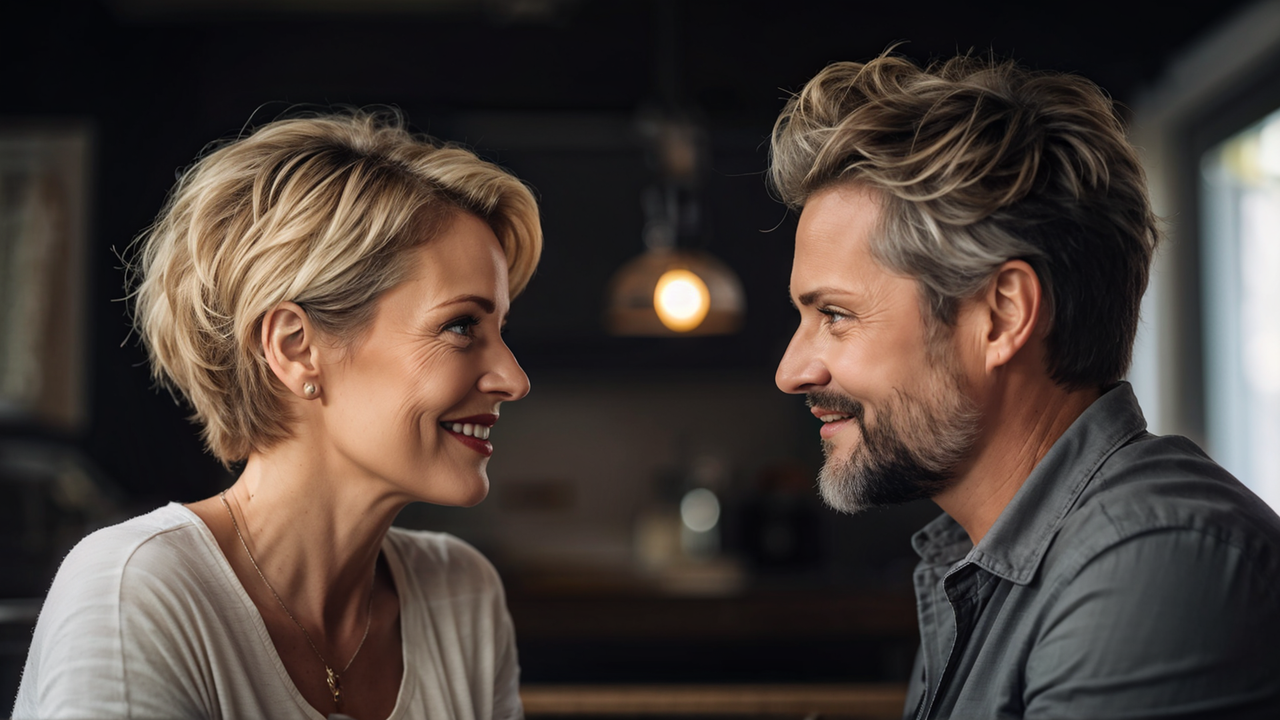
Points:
x=1167 y=570
x=1160 y=486
x=1157 y=483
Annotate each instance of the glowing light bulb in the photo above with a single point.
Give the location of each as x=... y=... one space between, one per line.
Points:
x=700 y=510
x=681 y=300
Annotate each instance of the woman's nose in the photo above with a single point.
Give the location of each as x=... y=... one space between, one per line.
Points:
x=506 y=377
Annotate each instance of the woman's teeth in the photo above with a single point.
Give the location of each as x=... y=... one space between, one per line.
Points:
x=475 y=431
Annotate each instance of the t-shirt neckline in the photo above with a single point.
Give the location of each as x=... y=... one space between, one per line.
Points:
x=398 y=578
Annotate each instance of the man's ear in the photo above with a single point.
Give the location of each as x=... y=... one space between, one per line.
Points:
x=289 y=344
x=1013 y=301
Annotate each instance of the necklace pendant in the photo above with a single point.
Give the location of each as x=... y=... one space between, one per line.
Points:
x=335 y=686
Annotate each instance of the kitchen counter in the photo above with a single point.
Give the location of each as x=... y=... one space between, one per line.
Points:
x=618 y=634
x=800 y=701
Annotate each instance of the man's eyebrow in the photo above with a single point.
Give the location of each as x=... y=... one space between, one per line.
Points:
x=485 y=303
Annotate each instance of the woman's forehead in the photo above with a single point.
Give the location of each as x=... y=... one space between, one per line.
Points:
x=463 y=261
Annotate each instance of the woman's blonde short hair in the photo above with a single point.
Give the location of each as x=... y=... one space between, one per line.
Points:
x=317 y=210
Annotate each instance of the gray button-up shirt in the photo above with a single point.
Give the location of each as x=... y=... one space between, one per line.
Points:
x=1130 y=577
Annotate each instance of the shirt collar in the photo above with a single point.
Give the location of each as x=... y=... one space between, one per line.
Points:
x=1015 y=544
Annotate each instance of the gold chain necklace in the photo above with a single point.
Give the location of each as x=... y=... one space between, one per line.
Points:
x=333 y=679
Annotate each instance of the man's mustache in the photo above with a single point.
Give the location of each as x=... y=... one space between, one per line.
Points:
x=842 y=404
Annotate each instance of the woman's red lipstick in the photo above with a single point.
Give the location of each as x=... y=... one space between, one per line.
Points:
x=472 y=431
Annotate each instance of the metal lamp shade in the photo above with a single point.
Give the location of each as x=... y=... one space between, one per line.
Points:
x=631 y=308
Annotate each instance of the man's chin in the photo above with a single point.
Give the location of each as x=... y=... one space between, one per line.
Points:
x=851 y=490
x=843 y=490
x=838 y=498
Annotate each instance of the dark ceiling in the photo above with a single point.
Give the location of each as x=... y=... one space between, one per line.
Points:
x=735 y=57
x=548 y=88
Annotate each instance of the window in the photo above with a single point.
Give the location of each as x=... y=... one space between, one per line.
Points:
x=1240 y=275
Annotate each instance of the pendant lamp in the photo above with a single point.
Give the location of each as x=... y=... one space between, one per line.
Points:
x=670 y=290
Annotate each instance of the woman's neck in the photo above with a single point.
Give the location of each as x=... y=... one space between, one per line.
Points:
x=314 y=533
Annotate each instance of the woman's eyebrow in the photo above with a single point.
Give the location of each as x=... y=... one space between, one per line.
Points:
x=486 y=304
x=812 y=296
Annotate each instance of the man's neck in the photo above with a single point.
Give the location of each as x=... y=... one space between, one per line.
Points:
x=1022 y=420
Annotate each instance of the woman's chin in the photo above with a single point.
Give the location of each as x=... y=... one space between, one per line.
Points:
x=476 y=499
x=466 y=496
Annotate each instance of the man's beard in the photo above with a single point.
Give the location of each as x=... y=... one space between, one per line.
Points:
x=910 y=453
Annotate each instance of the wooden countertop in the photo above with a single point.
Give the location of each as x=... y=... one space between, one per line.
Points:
x=751 y=615
x=845 y=701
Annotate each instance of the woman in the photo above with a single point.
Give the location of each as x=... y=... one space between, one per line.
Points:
x=328 y=294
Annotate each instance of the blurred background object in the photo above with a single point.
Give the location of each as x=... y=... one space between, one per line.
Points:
x=653 y=510
x=1240 y=193
x=44 y=193
x=673 y=288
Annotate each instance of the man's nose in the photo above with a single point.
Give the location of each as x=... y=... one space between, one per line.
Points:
x=801 y=368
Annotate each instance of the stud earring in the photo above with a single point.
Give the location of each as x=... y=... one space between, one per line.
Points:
x=308 y=389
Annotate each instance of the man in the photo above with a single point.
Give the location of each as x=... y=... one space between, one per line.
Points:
x=973 y=245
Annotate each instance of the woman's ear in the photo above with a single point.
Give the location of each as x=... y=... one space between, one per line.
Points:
x=1013 y=301
x=289 y=345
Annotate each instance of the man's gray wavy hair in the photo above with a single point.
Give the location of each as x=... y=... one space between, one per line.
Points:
x=976 y=163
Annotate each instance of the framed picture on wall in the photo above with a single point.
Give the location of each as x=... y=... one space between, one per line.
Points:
x=44 y=173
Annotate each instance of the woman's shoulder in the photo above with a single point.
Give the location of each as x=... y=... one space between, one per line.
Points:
x=147 y=564
x=145 y=542
x=443 y=561
x=130 y=600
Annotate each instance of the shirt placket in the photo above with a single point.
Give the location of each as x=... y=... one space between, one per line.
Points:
x=937 y=628
x=960 y=588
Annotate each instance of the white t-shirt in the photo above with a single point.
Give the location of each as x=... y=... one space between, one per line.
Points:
x=146 y=619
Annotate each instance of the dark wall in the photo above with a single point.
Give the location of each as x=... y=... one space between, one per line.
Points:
x=157 y=86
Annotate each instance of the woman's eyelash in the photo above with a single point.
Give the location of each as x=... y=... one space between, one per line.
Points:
x=833 y=314
x=462 y=325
